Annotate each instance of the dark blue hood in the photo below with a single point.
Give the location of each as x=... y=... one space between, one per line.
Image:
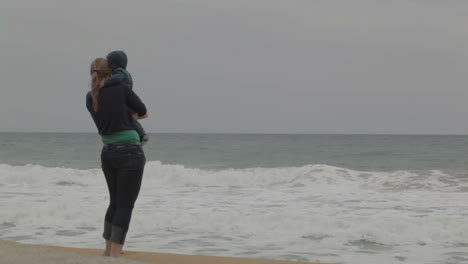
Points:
x=117 y=59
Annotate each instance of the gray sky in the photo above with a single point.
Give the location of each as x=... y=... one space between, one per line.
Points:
x=258 y=66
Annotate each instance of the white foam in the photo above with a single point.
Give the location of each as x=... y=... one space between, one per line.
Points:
x=157 y=174
x=314 y=212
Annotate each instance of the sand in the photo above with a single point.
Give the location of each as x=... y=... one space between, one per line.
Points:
x=15 y=253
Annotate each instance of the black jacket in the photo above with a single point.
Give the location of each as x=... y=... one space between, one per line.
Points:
x=117 y=103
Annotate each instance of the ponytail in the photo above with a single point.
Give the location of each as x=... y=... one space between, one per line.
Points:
x=95 y=90
x=99 y=71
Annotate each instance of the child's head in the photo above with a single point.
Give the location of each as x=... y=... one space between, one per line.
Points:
x=117 y=59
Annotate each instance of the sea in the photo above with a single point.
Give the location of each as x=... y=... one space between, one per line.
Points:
x=352 y=199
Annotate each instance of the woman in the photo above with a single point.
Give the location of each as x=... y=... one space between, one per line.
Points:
x=122 y=158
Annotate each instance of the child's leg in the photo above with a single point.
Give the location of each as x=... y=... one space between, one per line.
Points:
x=141 y=132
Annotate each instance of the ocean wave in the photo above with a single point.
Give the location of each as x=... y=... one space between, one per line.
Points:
x=313 y=175
x=334 y=211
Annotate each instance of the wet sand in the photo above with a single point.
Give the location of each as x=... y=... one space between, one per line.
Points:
x=15 y=253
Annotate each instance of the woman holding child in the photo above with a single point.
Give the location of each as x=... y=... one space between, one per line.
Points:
x=113 y=106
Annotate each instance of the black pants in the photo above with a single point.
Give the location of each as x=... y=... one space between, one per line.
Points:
x=123 y=167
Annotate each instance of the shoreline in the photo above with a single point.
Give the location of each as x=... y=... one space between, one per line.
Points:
x=16 y=253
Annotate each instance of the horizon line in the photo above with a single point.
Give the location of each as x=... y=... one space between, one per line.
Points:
x=248 y=133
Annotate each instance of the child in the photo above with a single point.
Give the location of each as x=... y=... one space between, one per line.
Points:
x=118 y=63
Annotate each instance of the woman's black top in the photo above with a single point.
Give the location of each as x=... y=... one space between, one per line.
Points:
x=117 y=103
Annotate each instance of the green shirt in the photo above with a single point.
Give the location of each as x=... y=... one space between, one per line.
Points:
x=122 y=137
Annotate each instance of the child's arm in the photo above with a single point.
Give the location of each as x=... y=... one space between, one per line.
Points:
x=115 y=78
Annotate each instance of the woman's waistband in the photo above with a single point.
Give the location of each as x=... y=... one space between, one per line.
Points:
x=121 y=146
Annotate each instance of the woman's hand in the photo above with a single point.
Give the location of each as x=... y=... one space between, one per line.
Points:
x=136 y=116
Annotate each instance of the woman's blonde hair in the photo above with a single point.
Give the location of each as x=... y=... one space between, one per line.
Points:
x=99 y=71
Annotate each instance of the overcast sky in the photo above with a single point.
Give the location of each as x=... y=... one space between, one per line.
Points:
x=242 y=66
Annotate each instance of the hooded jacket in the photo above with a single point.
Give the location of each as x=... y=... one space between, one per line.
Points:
x=117 y=60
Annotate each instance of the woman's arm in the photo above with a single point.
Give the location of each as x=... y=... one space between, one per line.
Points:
x=135 y=103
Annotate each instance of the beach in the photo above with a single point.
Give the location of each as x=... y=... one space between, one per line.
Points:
x=15 y=253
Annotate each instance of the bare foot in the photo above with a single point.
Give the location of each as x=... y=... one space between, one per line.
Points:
x=116 y=250
x=107 y=251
